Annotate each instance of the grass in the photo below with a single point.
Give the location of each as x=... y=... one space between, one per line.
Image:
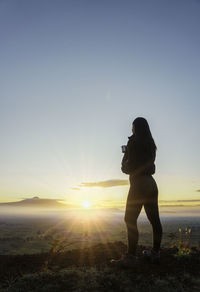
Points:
x=88 y=269
x=106 y=279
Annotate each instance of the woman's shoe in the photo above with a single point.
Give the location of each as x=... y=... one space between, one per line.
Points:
x=126 y=261
x=151 y=255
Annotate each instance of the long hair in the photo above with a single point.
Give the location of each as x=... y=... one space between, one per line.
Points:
x=142 y=132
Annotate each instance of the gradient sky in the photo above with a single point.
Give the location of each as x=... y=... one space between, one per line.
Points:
x=75 y=74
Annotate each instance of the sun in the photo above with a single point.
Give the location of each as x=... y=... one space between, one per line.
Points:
x=86 y=204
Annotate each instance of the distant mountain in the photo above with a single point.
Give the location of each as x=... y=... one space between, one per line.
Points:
x=37 y=202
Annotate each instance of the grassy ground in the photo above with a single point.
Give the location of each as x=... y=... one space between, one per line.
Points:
x=88 y=269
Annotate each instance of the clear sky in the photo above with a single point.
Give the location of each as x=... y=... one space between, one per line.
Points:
x=75 y=74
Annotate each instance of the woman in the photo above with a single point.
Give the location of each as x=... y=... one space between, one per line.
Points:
x=138 y=162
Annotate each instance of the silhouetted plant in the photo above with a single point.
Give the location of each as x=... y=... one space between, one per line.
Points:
x=183 y=244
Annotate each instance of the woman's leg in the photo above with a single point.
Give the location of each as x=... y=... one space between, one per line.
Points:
x=153 y=216
x=151 y=209
x=133 y=208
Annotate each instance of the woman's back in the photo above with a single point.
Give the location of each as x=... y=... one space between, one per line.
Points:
x=141 y=156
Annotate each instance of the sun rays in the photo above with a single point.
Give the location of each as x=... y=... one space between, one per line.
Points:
x=81 y=230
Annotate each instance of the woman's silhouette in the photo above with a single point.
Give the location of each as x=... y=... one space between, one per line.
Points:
x=138 y=162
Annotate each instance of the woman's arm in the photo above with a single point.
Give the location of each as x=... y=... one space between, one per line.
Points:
x=124 y=162
x=129 y=158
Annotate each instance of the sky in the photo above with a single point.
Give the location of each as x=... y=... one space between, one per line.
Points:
x=74 y=75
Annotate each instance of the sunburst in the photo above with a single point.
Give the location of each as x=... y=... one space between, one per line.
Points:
x=86 y=204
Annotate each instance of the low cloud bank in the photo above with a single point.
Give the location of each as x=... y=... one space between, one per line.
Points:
x=105 y=184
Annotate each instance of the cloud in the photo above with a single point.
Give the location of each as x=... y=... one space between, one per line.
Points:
x=188 y=200
x=183 y=201
x=106 y=183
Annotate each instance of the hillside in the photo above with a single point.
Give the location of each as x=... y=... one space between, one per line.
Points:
x=35 y=202
x=88 y=269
